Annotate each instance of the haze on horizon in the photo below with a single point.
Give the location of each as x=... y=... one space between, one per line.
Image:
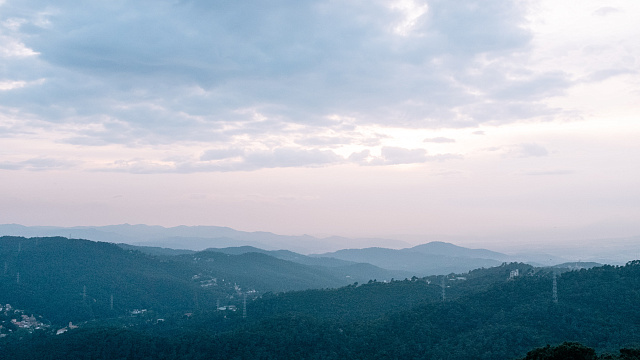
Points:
x=509 y=120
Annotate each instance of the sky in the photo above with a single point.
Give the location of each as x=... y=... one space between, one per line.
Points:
x=501 y=119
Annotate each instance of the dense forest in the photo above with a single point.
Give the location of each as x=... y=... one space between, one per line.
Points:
x=504 y=312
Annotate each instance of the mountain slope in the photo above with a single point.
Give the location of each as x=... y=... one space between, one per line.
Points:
x=448 y=249
x=493 y=316
x=71 y=280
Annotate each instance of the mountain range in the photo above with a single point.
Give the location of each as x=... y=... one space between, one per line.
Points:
x=196 y=237
x=228 y=303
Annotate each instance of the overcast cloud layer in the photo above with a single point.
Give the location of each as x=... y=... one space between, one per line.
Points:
x=241 y=73
x=194 y=87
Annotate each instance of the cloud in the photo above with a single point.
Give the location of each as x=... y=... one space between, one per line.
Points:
x=606 y=74
x=396 y=155
x=235 y=159
x=549 y=172
x=606 y=10
x=531 y=150
x=141 y=166
x=220 y=154
x=325 y=141
x=361 y=157
x=439 y=140
x=520 y=150
x=390 y=155
x=37 y=164
x=289 y=157
x=168 y=72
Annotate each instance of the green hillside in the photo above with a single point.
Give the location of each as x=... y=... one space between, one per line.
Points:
x=74 y=280
x=503 y=312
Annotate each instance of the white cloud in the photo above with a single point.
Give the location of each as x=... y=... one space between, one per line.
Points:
x=606 y=10
x=396 y=155
x=520 y=150
x=440 y=140
x=13 y=48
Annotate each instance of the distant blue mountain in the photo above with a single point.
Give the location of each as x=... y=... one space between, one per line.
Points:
x=448 y=249
x=195 y=237
x=435 y=258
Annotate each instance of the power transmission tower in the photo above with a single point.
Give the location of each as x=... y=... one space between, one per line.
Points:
x=555 y=288
x=6 y=267
x=84 y=293
x=18 y=278
x=111 y=302
x=443 y=287
x=244 y=307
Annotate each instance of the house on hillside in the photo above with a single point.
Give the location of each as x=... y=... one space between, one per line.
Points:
x=514 y=273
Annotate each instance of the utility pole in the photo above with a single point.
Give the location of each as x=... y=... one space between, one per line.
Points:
x=555 y=288
x=244 y=307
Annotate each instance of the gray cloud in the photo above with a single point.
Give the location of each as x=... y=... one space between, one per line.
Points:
x=360 y=157
x=325 y=141
x=395 y=155
x=220 y=154
x=602 y=75
x=519 y=150
x=529 y=150
x=163 y=72
x=290 y=157
x=606 y=10
x=234 y=159
x=390 y=155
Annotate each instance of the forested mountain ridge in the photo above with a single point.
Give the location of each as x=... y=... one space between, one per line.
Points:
x=486 y=314
x=76 y=280
x=501 y=312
